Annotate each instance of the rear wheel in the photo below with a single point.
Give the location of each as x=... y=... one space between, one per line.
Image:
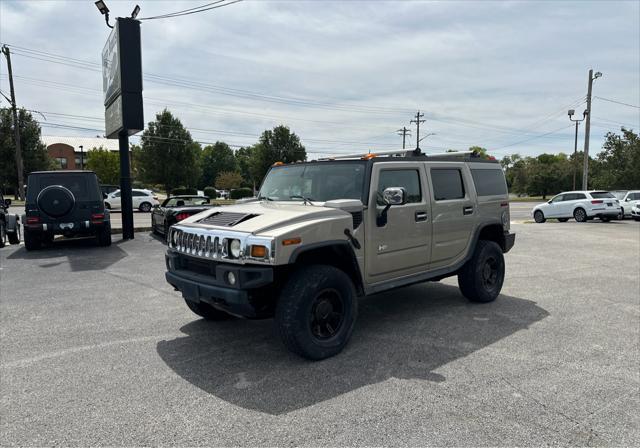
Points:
x=538 y=216
x=316 y=311
x=14 y=237
x=3 y=234
x=145 y=207
x=206 y=311
x=103 y=237
x=481 y=278
x=563 y=219
x=32 y=240
x=580 y=215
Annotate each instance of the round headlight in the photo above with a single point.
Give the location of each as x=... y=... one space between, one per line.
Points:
x=234 y=248
x=231 y=278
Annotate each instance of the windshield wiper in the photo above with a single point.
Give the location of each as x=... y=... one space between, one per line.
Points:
x=304 y=199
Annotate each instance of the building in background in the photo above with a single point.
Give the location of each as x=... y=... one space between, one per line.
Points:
x=69 y=153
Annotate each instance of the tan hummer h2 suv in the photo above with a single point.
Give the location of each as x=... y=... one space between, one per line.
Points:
x=321 y=234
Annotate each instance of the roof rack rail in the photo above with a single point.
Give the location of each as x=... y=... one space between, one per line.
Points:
x=402 y=153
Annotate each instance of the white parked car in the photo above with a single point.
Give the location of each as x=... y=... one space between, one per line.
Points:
x=627 y=200
x=579 y=205
x=635 y=212
x=143 y=200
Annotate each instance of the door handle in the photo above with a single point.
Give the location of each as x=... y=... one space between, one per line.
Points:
x=467 y=210
x=421 y=216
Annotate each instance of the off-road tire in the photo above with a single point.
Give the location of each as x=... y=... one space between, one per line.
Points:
x=32 y=241
x=563 y=219
x=314 y=300
x=206 y=311
x=145 y=207
x=538 y=217
x=580 y=215
x=103 y=237
x=481 y=278
x=14 y=237
x=3 y=234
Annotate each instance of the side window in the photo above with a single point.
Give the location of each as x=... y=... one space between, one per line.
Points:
x=635 y=196
x=579 y=196
x=447 y=184
x=116 y=195
x=489 y=182
x=408 y=179
x=570 y=197
x=558 y=198
x=137 y=193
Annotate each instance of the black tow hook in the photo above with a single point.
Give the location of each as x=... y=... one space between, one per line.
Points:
x=352 y=239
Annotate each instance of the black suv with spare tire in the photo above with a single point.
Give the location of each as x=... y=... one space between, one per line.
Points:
x=68 y=203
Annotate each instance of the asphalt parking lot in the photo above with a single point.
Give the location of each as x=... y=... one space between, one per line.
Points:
x=96 y=349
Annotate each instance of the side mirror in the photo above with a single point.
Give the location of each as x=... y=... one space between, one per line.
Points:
x=626 y=200
x=7 y=202
x=394 y=196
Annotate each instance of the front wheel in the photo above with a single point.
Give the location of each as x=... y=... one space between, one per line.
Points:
x=481 y=278
x=580 y=215
x=316 y=311
x=538 y=216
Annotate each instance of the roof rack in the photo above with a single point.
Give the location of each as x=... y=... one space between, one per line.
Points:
x=402 y=153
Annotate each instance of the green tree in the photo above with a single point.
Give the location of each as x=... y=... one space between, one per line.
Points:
x=277 y=145
x=482 y=152
x=216 y=158
x=168 y=155
x=244 y=156
x=618 y=165
x=34 y=153
x=105 y=163
x=228 y=180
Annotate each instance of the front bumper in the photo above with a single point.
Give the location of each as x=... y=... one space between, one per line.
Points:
x=509 y=241
x=206 y=281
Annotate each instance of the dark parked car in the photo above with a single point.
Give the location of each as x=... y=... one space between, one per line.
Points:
x=67 y=203
x=9 y=223
x=175 y=209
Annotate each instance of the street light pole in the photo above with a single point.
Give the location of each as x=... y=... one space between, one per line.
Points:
x=81 y=158
x=575 y=144
x=587 y=130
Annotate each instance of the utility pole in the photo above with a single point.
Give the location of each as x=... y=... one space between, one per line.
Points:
x=404 y=132
x=81 y=157
x=575 y=144
x=16 y=125
x=417 y=121
x=587 y=130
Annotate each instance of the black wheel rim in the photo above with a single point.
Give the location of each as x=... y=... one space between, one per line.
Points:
x=579 y=215
x=327 y=314
x=490 y=270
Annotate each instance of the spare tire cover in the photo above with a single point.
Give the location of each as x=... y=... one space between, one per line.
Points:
x=56 y=200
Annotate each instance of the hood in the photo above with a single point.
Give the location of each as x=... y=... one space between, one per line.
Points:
x=258 y=217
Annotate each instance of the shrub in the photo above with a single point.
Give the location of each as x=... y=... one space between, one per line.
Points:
x=240 y=193
x=183 y=190
x=210 y=192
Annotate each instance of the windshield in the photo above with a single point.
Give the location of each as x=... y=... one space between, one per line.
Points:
x=180 y=201
x=322 y=182
x=601 y=195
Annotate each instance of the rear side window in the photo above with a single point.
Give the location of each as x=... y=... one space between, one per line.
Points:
x=447 y=184
x=579 y=196
x=489 y=182
x=602 y=195
x=408 y=179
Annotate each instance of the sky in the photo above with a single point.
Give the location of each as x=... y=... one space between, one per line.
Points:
x=343 y=75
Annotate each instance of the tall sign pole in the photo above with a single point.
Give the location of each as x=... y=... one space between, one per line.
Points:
x=16 y=125
x=122 y=86
x=587 y=130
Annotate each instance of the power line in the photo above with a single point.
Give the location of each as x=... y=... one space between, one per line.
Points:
x=617 y=102
x=532 y=138
x=188 y=12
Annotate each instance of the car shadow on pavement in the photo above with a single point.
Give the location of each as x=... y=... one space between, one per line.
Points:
x=408 y=333
x=82 y=254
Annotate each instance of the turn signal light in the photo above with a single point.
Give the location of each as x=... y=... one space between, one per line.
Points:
x=368 y=156
x=181 y=216
x=258 y=252
x=97 y=217
x=33 y=220
x=291 y=241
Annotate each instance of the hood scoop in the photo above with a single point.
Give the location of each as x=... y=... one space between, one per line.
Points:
x=227 y=219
